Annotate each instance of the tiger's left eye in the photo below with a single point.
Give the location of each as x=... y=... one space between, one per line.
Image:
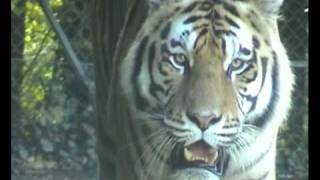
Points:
x=236 y=64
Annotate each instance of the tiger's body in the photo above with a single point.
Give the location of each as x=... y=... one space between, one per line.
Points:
x=201 y=94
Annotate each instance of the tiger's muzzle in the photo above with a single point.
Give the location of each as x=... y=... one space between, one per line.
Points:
x=201 y=155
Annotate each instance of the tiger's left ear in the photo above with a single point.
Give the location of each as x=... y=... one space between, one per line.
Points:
x=155 y=4
x=269 y=7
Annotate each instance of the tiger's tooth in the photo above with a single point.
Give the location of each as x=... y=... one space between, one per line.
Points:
x=213 y=160
x=188 y=155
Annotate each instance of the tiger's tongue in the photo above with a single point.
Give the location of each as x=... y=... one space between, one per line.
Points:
x=201 y=152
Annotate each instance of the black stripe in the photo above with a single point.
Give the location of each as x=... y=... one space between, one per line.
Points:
x=164 y=49
x=246 y=79
x=254 y=26
x=231 y=33
x=167 y=81
x=174 y=43
x=215 y=42
x=141 y=102
x=231 y=22
x=217 y=1
x=165 y=31
x=201 y=26
x=219 y=24
x=216 y=15
x=152 y=52
x=208 y=16
x=264 y=62
x=223 y=42
x=190 y=7
x=239 y=104
x=177 y=9
x=252 y=99
x=202 y=33
x=249 y=80
x=256 y=42
x=151 y=57
x=192 y=19
x=168 y=89
x=253 y=13
x=220 y=32
x=265 y=117
x=227 y=135
x=244 y=50
x=153 y=86
x=205 y=6
x=226 y=163
x=232 y=9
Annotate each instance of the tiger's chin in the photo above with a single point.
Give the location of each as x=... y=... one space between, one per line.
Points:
x=193 y=174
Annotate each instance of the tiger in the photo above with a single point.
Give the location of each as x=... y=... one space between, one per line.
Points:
x=200 y=94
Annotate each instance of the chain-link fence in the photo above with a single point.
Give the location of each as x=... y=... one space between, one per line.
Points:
x=53 y=117
x=293 y=139
x=53 y=133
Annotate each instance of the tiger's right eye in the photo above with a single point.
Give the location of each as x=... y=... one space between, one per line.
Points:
x=178 y=61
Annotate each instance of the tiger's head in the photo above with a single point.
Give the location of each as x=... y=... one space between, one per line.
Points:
x=202 y=79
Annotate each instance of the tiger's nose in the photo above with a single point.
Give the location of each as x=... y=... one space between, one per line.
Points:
x=203 y=122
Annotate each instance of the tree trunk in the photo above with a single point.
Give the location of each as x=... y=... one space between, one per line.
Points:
x=113 y=20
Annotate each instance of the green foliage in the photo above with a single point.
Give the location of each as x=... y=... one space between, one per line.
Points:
x=39 y=55
x=55 y=129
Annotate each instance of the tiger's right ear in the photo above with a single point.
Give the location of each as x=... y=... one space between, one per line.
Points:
x=155 y=4
x=269 y=7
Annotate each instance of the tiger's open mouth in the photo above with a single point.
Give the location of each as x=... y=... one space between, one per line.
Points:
x=202 y=155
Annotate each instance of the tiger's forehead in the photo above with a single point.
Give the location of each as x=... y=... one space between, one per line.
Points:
x=192 y=12
x=182 y=21
x=175 y=9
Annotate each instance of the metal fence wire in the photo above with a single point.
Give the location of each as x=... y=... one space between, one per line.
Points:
x=44 y=82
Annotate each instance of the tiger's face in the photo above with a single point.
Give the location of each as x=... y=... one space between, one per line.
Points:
x=204 y=73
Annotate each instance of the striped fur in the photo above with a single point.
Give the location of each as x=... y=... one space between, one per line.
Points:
x=200 y=57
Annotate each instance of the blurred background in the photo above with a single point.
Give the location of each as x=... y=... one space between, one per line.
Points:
x=53 y=128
